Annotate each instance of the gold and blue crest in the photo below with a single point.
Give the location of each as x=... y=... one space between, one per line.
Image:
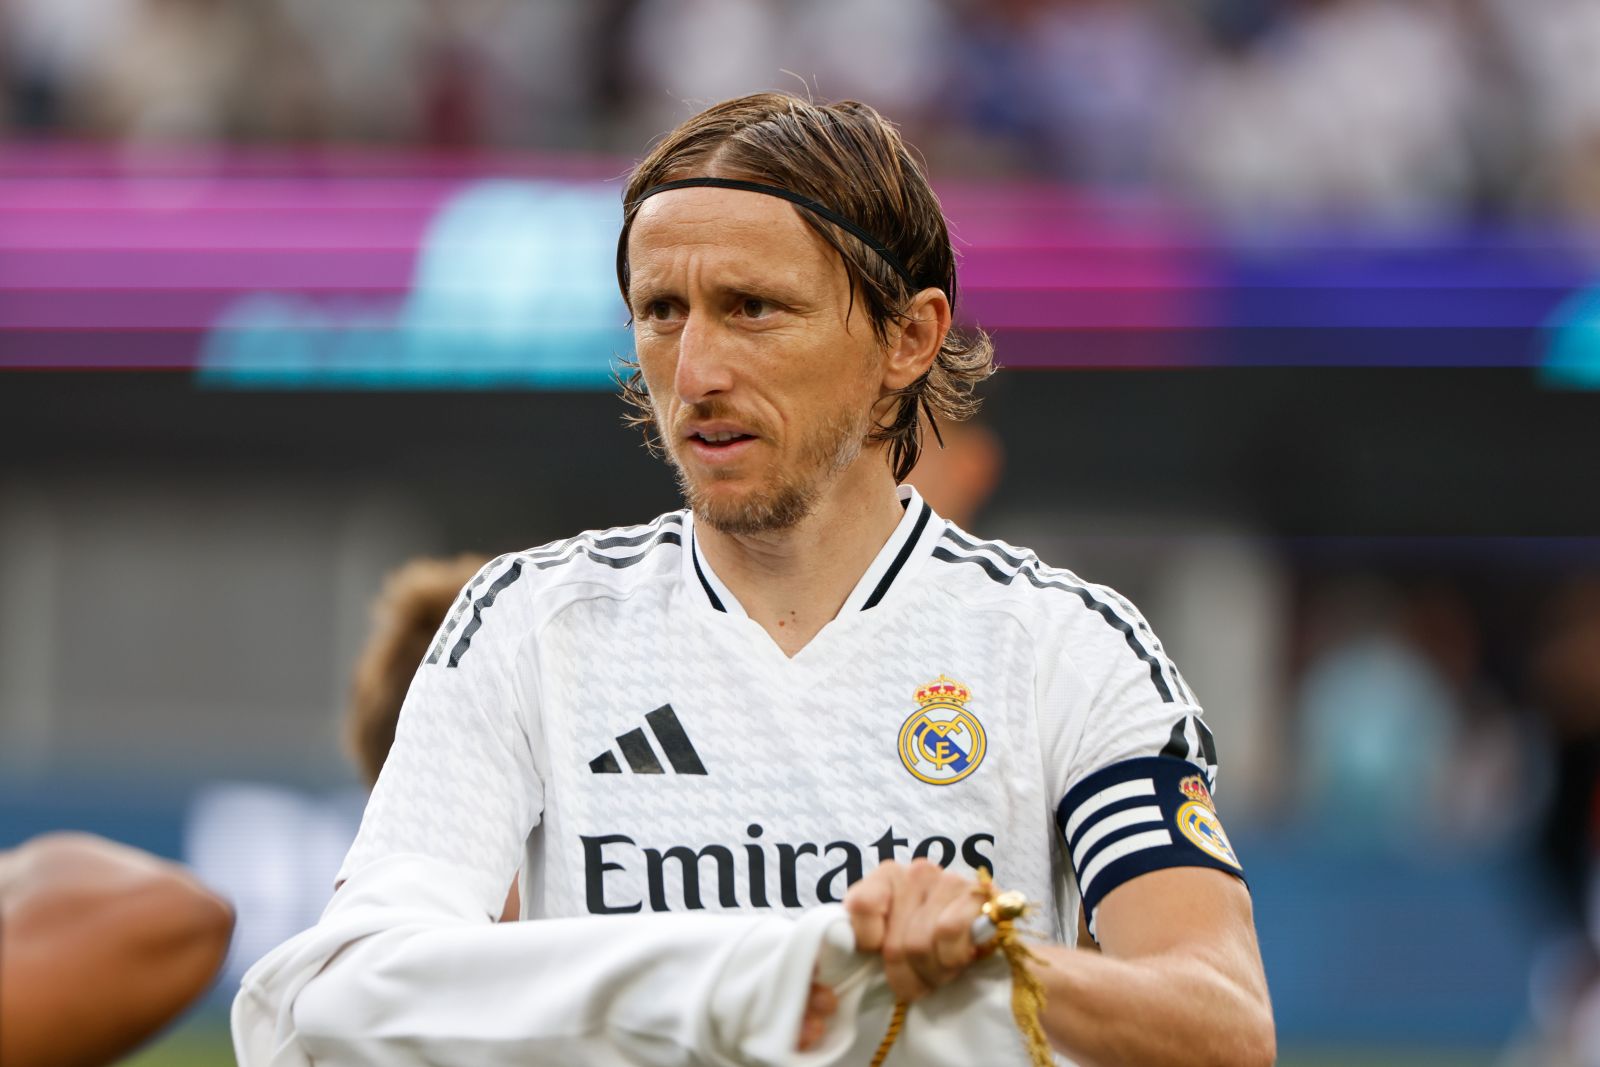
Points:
x=1197 y=820
x=943 y=741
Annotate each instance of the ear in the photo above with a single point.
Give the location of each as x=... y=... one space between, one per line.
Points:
x=916 y=341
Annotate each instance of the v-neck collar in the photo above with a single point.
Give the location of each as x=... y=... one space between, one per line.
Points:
x=910 y=541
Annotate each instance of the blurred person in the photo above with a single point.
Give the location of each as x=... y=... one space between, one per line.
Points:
x=376 y=62
x=203 y=71
x=1551 y=45
x=1083 y=89
x=739 y=706
x=50 y=46
x=893 y=52
x=679 y=54
x=275 y=850
x=101 y=945
x=415 y=600
x=1566 y=682
x=1296 y=128
x=1379 y=725
x=1407 y=738
x=540 y=69
x=1565 y=676
x=961 y=472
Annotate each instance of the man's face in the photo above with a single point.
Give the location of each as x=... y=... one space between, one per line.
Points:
x=762 y=386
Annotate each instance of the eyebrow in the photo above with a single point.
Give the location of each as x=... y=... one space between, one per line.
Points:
x=644 y=290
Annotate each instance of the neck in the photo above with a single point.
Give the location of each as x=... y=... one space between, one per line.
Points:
x=793 y=581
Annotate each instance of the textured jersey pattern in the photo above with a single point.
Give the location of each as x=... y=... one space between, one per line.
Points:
x=611 y=708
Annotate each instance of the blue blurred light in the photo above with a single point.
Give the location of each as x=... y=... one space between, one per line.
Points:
x=1572 y=357
x=513 y=287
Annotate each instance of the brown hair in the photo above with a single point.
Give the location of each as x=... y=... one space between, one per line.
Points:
x=415 y=599
x=849 y=158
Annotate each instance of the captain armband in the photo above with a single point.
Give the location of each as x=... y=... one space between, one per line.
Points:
x=1138 y=816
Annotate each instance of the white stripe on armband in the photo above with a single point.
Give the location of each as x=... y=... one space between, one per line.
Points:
x=1150 y=813
x=1126 y=847
x=1142 y=787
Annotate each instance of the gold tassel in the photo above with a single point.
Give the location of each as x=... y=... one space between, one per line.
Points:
x=1027 y=992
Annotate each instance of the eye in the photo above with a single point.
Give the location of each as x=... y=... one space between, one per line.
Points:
x=755 y=308
x=656 y=310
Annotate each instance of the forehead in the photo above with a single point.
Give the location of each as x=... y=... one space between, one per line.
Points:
x=725 y=230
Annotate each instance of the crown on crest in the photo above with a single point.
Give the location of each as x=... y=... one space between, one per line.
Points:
x=943 y=690
x=1194 y=787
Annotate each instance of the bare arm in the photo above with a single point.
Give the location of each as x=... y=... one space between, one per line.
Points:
x=1178 y=981
x=100 y=946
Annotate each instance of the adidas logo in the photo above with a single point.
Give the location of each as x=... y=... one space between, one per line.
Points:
x=636 y=749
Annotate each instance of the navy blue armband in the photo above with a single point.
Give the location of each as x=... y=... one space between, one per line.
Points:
x=1138 y=816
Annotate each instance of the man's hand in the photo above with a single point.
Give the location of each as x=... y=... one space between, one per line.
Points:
x=919 y=918
x=820 y=1006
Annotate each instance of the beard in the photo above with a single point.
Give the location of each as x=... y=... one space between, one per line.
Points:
x=791 y=494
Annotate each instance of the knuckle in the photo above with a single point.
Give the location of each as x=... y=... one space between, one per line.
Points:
x=906 y=985
x=867 y=893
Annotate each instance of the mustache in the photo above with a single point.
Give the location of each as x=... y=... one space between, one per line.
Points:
x=714 y=410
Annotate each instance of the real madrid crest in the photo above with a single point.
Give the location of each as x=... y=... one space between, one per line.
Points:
x=943 y=741
x=1197 y=820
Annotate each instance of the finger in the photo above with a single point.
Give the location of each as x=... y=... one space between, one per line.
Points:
x=953 y=946
x=812 y=1031
x=868 y=903
x=939 y=941
x=908 y=941
x=820 y=1009
x=824 y=1001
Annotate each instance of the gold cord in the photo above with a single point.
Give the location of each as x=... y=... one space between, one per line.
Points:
x=1027 y=992
x=897 y=1022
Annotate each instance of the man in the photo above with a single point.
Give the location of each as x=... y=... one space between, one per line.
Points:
x=804 y=682
x=101 y=945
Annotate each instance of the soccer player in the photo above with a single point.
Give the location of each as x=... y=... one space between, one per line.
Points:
x=805 y=688
x=101 y=945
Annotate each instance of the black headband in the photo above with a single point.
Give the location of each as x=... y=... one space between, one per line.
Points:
x=781 y=193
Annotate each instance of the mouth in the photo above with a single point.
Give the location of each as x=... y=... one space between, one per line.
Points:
x=719 y=438
x=718 y=444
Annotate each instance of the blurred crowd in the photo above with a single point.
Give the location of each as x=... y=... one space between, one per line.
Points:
x=1400 y=111
x=1445 y=701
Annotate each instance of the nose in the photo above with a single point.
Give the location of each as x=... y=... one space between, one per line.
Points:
x=705 y=365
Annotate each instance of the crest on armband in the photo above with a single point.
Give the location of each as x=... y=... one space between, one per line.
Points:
x=1197 y=820
x=1194 y=787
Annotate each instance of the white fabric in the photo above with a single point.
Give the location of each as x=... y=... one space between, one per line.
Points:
x=533 y=738
x=429 y=981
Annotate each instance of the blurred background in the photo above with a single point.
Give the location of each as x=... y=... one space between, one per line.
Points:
x=1298 y=300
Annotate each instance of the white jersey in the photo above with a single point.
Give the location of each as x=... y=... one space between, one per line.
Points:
x=601 y=714
x=609 y=695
